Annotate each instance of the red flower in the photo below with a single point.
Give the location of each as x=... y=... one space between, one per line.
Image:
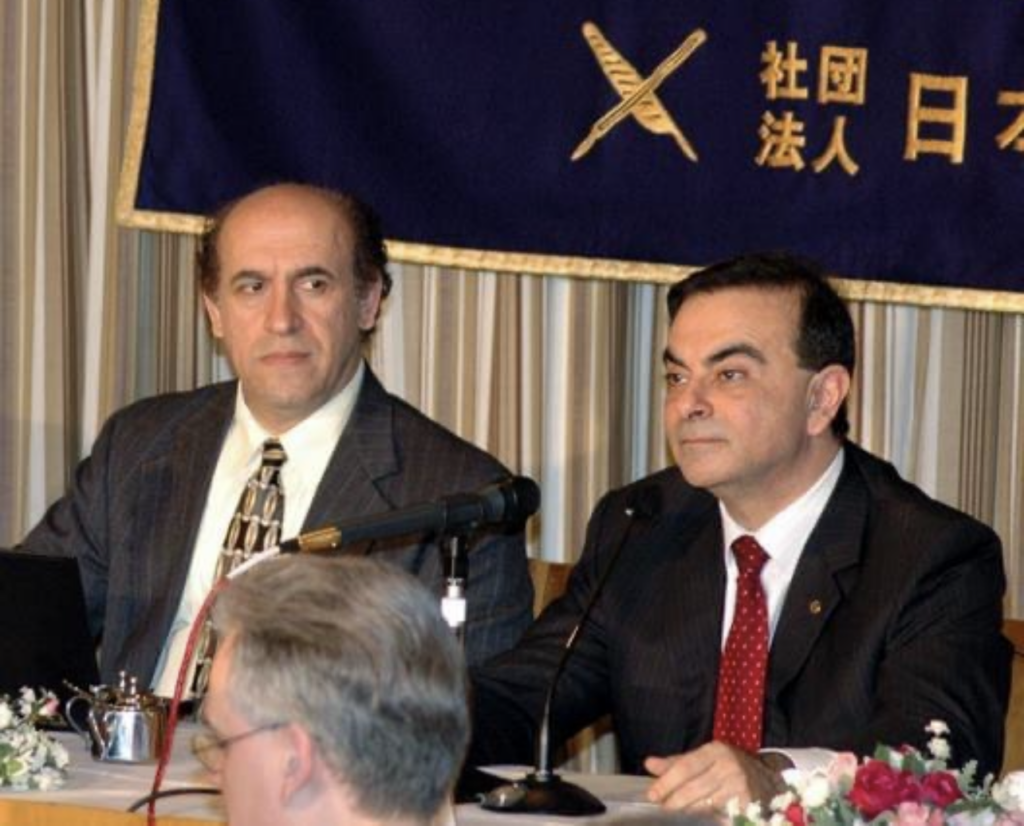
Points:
x=940 y=789
x=795 y=814
x=877 y=786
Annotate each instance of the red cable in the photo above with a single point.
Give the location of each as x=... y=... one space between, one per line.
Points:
x=179 y=689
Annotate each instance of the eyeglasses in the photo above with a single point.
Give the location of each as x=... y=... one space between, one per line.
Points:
x=210 y=749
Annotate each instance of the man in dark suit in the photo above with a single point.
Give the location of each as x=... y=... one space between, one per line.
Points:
x=292 y=278
x=880 y=607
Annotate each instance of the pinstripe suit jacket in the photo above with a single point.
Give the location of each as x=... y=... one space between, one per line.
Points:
x=133 y=511
x=892 y=619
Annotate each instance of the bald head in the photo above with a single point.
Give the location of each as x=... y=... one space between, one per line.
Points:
x=354 y=217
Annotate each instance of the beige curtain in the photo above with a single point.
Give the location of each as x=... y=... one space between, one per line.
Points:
x=558 y=377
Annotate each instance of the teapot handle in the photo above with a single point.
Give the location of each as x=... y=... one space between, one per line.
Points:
x=90 y=732
x=69 y=707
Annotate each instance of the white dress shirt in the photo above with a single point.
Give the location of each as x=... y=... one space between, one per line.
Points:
x=308 y=445
x=783 y=538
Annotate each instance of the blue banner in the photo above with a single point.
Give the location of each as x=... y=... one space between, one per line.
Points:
x=884 y=139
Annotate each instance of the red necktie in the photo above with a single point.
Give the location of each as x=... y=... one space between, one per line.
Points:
x=739 y=707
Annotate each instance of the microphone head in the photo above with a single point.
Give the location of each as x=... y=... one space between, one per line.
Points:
x=514 y=499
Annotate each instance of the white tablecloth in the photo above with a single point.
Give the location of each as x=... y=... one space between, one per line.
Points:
x=115 y=786
x=118 y=785
x=622 y=794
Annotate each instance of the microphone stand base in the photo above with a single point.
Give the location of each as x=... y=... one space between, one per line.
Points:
x=548 y=795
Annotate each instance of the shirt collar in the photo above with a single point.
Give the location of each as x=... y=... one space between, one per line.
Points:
x=784 y=535
x=323 y=426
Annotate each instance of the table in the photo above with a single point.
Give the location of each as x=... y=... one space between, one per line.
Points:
x=99 y=794
x=622 y=794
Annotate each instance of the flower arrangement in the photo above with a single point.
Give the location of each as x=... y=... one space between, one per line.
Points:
x=897 y=787
x=29 y=758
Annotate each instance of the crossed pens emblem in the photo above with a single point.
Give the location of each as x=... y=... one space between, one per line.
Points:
x=638 y=94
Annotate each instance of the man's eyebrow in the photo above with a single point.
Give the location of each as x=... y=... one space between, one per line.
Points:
x=741 y=349
x=312 y=269
x=730 y=350
x=668 y=357
x=301 y=272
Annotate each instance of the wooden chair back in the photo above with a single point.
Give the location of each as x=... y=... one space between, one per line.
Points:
x=1013 y=759
x=549 y=582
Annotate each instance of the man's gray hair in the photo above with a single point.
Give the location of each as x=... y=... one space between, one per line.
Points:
x=356 y=652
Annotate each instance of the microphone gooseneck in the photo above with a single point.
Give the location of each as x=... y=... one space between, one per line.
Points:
x=543 y=791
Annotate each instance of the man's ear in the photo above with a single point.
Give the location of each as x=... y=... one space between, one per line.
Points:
x=213 y=313
x=826 y=393
x=299 y=764
x=369 y=297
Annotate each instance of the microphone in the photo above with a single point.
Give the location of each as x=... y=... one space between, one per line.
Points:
x=511 y=500
x=543 y=791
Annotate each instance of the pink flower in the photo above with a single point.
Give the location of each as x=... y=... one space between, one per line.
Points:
x=795 y=814
x=940 y=789
x=842 y=767
x=915 y=814
x=878 y=786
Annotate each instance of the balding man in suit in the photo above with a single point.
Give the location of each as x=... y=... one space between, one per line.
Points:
x=292 y=278
x=791 y=595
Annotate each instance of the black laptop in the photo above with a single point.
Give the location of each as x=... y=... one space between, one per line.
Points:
x=44 y=632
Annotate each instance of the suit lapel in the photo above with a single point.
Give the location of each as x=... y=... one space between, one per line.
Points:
x=364 y=455
x=823 y=577
x=176 y=485
x=702 y=596
x=688 y=592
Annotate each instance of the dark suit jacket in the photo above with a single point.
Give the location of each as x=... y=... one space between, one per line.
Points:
x=133 y=511
x=892 y=619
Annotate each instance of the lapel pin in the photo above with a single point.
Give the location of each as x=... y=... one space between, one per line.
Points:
x=814 y=606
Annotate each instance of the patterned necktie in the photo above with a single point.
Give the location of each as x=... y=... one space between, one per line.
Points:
x=739 y=707
x=255 y=527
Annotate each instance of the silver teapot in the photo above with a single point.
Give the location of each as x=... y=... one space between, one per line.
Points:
x=121 y=725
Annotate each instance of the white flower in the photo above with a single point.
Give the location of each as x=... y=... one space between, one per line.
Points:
x=25 y=702
x=753 y=811
x=59 y=755
x=812 y=788
x=32 y=760
x=937 y=727
x=783 y=801
x=939 y=748
x=732 y=807
x=1009 y=792
x=980 y=817
x=777 y=819
x=48 y=779
x=815 y=793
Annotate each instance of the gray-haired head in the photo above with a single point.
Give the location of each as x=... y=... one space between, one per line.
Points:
x=356 y=652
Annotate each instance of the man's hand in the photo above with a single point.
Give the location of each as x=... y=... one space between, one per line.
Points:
x=707 y=777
